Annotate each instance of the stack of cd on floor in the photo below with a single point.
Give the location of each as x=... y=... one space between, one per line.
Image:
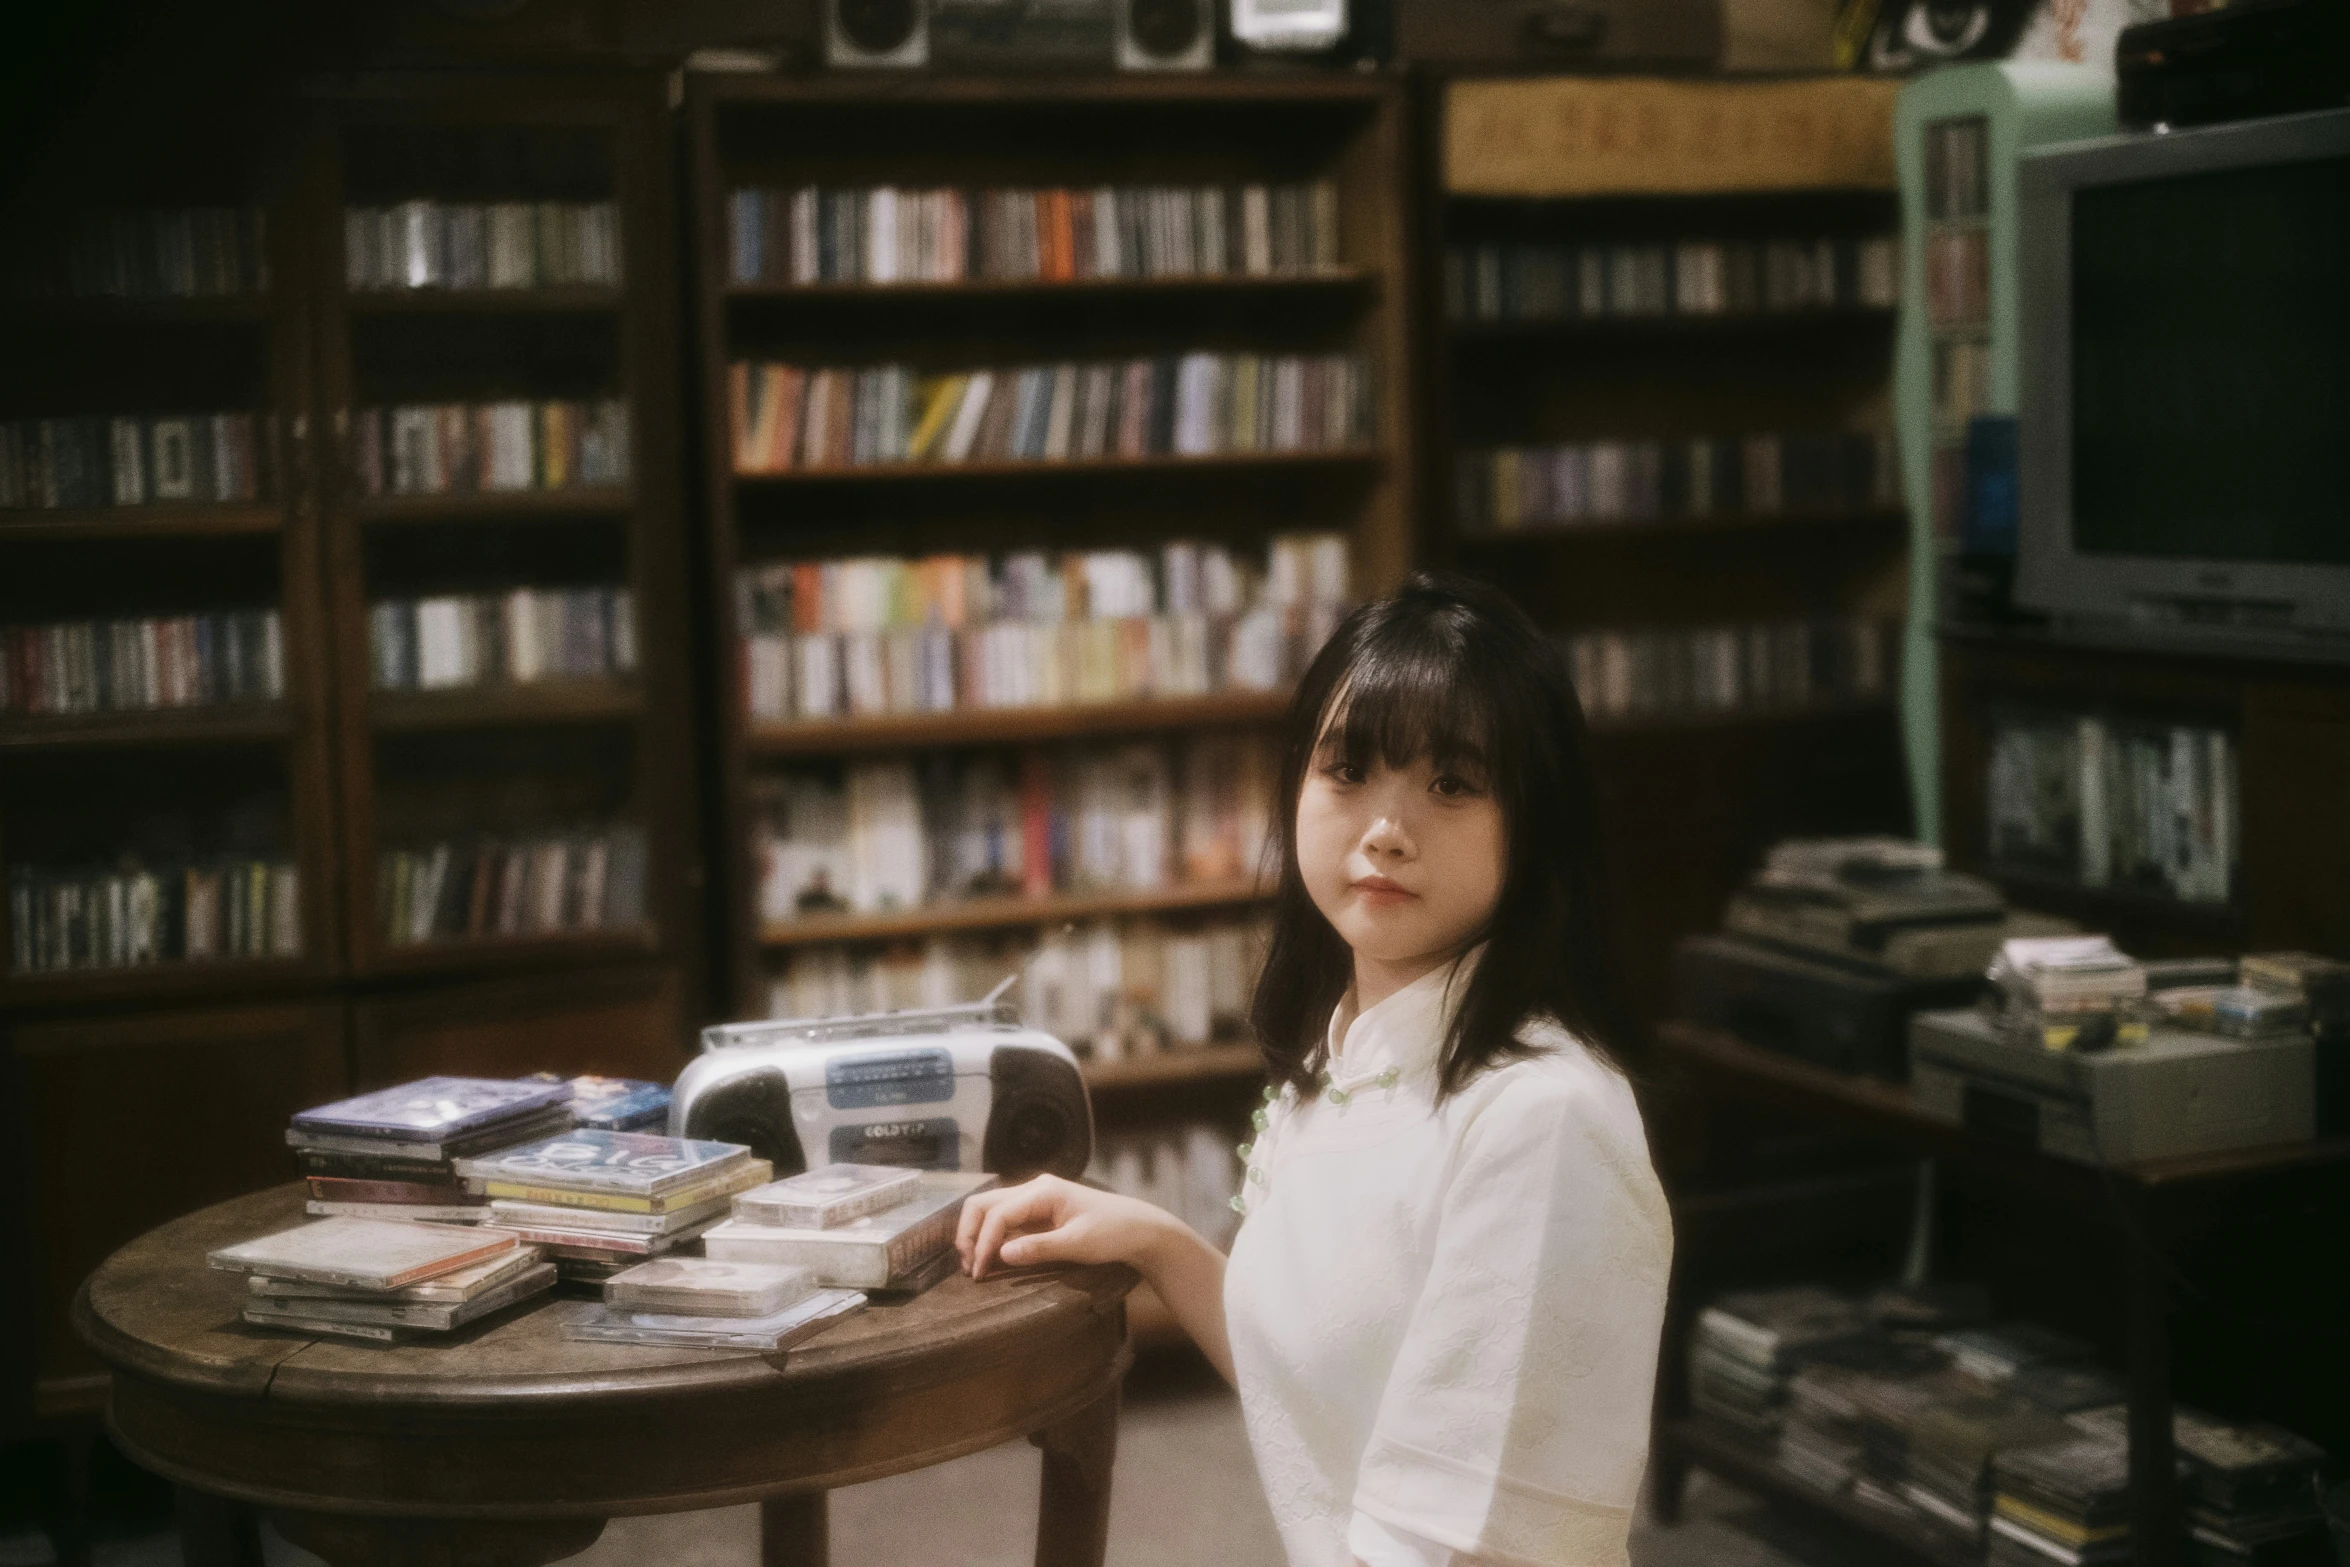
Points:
x=852 y=1226
x=2253 y=1498
x=601 y=1201
x=1951 y=1445
x=1747 y=1345
x=385 y=1281
x=696 y=1303
x=2066 y=1500
x=392 y=1154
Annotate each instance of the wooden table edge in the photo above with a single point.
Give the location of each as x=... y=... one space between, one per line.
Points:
x=1101 y=1387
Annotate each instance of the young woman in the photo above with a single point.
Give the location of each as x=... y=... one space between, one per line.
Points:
x=1443 y=1306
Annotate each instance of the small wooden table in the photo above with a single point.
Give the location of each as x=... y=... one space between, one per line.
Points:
x=508 y=1445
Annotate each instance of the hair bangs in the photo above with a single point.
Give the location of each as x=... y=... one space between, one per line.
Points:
x=1409 y=695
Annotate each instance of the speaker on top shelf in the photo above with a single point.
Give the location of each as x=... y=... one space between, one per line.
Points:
x=877 y=34
x=1166 y=35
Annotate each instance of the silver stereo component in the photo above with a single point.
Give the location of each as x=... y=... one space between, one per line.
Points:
x=959 y=1088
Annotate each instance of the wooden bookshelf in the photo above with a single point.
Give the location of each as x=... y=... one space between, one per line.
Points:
x=1523 y=374
x=926 y=131
x=504 y=759
x=173 y=784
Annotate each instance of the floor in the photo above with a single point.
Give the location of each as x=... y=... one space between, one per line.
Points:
x=1185 y=1496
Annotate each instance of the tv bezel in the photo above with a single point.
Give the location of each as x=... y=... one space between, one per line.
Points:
x=2249 y=606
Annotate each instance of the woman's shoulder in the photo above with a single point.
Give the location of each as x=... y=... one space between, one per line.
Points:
x=1561 y=1087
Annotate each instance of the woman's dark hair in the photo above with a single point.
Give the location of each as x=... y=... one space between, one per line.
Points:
x=1449 y=669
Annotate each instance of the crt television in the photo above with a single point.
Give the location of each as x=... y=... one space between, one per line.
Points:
x=2184 y=404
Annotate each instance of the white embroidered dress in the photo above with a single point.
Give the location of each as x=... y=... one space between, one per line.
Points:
x=1445 y=1319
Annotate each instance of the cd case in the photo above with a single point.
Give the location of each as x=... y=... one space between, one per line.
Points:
x=832 y=1195
x=613 y=1104
x=696 y=1286
x=374 y=1254
x=599 y=1323
x=636 y=1164
x=432 y=1107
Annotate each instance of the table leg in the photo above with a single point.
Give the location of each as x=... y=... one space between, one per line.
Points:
x=795 y=1531
x=346 y=1541
x=1073 y=1511
x=216 y=1532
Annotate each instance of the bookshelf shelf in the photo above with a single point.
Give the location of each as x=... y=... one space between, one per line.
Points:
x=576 y=299
x=570 y=948
x=76 y=312
x=541 y=702
x=156 y=982
x=2101 y=908
x=1003 y=725
x=1001 y=289
x=163 y=726
x=137 y=522
x=1546 y=331
x=1134 y=468
x=996 y=913
x=1814 y=713
x=518 y=505
x=1547 y=535
x=1211 y=1063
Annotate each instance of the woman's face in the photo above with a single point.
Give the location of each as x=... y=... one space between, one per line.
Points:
x=1405 y=862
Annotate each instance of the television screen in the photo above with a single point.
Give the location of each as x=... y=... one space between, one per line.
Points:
x=2211 y=365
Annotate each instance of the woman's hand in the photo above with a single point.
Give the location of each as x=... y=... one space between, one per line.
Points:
x=1049 y=1219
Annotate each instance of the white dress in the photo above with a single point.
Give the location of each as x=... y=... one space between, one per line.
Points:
x=1445 y=1318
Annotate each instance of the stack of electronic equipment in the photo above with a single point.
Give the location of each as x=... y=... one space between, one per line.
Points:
x=392 y=1154
x=1835 y=942
x=602 y=1201
x=384 y=1281
x=2006 y=1436
x=2082 y=1052
x=852 y=1226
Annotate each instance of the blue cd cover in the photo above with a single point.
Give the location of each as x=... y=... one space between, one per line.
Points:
x=432 y=1109
x=613 y=1104
x=637 y=1164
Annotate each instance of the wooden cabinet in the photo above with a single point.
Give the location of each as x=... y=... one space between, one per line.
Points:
x=617 y=1021
x=142 y=1117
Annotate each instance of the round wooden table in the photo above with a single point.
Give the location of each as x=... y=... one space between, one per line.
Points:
x=508 y=1445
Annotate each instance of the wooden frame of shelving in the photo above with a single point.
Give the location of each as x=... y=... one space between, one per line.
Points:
x=652 y=704
x=297 y=730
x=1361 y=127
x=1735 y=779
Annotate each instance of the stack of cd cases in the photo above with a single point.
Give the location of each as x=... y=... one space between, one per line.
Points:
x=603 y=1201
x=695 y=1303
x=383 y=1281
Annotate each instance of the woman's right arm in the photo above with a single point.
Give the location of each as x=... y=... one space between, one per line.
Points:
x=1049 y=1219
